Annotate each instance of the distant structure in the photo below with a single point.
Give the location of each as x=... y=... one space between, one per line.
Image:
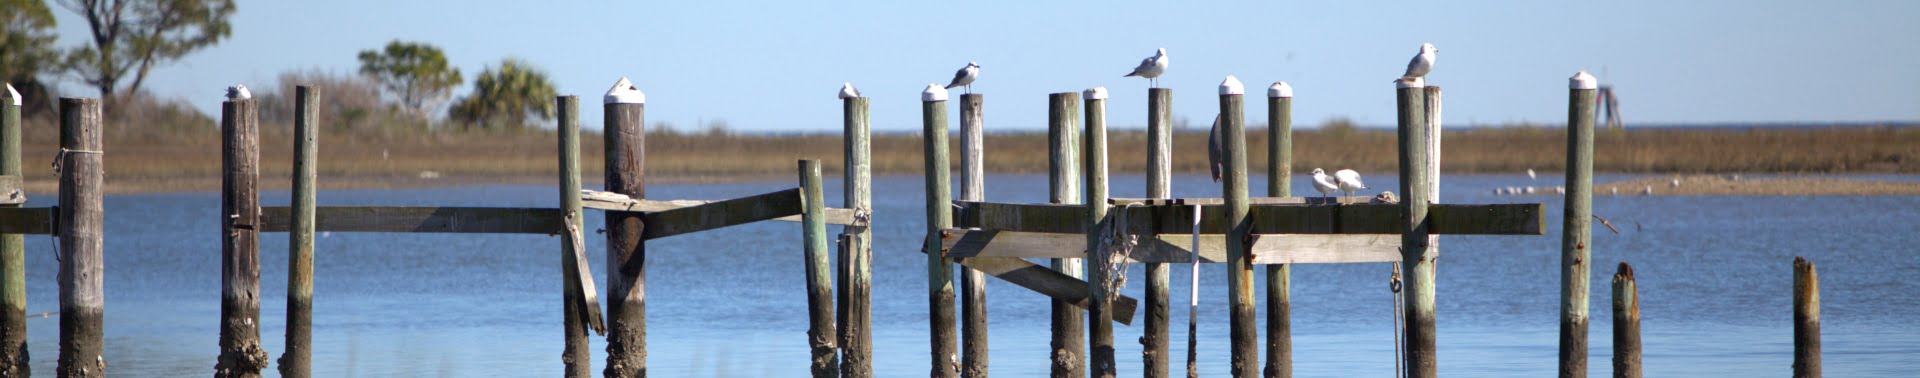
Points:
x=1609 y=107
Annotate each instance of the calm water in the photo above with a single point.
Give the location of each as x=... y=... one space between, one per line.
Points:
x=1714 y=275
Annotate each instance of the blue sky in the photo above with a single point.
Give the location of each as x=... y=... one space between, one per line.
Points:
x=775 y=67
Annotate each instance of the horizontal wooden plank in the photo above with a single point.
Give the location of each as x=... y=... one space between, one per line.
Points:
x=722 y=213
x=27 y=220
x=1049 y=282
x=12 y=190
x=1171 y=248
x=1064 y=219
x=1313 y=217
x=1253 y=200
x=488 y=220
x=609 y=201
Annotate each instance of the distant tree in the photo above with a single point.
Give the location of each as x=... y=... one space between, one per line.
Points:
x=416 y=73
x=510 y=96
x=26 y=47
x=133 y=36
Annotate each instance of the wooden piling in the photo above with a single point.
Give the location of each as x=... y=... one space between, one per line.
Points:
x=1245 y=337
x=625 y=145
x=1099 y=260
x=1415 y=257
x=1279 y=276
x=296 y=361
x=1626 y=324
x=1806 y=319
x=240 y=351
x=1063 y=182
x=973 y=299
x=575 y=356
x=933 y=111
x=820 y=333
x=13 y=267
x=1154 y=354
x=856 y=335
x=1577 y=229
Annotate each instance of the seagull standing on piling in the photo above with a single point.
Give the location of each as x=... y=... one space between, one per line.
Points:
x=847 y=91
x=966 y=76
x=1349 y=181
x=1422 y=64
x=1151 y=68
x=238 y=92
x=1323 y=183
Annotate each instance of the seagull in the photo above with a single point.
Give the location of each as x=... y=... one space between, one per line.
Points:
x=1216 y=150
x=238 y=92
x=1323 y=183
x=847 y=91
x=966 y=76
x=1151 y=68
x=1349 y=181
x=1422 y=63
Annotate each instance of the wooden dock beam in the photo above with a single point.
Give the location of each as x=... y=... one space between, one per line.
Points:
x=1577 y=228
x=933 y=112
x=820 y=330
x=1099 y=256
x=1279 y=276
x=240 y=351
x=856 y=320
x=297 y=360
x=973 y=283
x=1245 y=337
x=13 y=265
x=577 y=358
x=624 y=113
x=1063 y=181
x=1626 y=324
x=1806 y=319
x=1415 y=256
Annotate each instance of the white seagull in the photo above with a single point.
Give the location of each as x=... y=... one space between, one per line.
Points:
x=238 y=92
x=847 y=91
x=1151 y=68
x=1422 y=63
x=966 y=76
x=1349 y=181
x=1323 y=183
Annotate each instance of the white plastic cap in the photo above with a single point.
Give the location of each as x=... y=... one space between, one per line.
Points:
x=15 y=95
x=623 y=92
x=1583 y=80
x=934 y=92
x=1280 y=90
x=1232 y=86
x=1096 y=93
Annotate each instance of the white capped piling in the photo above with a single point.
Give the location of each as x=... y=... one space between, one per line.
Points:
x=1245 y=336
x=1279 y=361
x=855 y=317
x=933 y=113
x=1577 y=227
x=13 y=268
x=624 y=110
x=1415 y=257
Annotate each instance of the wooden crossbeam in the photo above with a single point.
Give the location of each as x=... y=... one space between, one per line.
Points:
x=1171 y=248
x=1048 y=282
x=12 y=190
x=490 y=220
x=722 y=213
x=1311 y=217
x=27 y=220
x=609 y=201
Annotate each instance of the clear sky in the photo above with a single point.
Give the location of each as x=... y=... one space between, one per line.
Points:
x=776 y=66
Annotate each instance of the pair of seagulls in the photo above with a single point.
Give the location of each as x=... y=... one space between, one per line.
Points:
x=1149 y=68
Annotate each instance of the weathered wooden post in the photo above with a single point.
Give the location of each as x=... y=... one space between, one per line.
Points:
x=1806 y=319
x=576 y=357
x=1577 y=227
x=1063 y=182
x=1415 y=255
x=820 y=333
x=973 y=300
x=1279 y=184
x=624 y=110
x=13 y=266
x=1245 y=337
x=240 y=351
x=1154 y=352
x=933 y=111
x=856 y=335
x=297 y=360
x=1099 y=259
x=1626 y=324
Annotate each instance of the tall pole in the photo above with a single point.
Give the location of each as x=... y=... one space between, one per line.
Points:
x=1159 y=185
x=1245 y=337
x=933 y=112
x=1099 y=259
x=13 y=266
x=1415 y=256
x=1577 y=228
x=1069 y=347
x=297 y=360
x=1279 y=276
x=82 y=298
x=240 y=351
x=625 y=141
x=973 y=326
x=576 y=358
x=856 y=340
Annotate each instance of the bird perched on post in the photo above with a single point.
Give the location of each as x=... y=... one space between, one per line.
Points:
x=1323 y=183
x=966 y=76
x=1216 y=149
x=1349 y=181
x=1151 y=68
x=847 y=91
x=238 y=92
x=1422 y=63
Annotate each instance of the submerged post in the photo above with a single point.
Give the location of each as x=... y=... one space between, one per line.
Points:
x=82 y=300
x=13 y=265
x=1245 y=338
x=1099 y=256
x=1279 y=276
x=240 y=351
x=856 y=335
x=625 y=141
x=973 y=302
x=297 y=360
x=1626 y=324
x=1806 y=319
x=576 y=357
x=1415 y=256
x=813 y=222
x=1577 y=227
x=1063 y=182
x=1154 y=354
x=933 y=112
